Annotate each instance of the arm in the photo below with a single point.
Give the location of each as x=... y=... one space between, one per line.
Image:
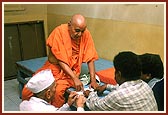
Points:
x=92 y=74
x=80 y=101
x=52 y=59
x=67 y=69
x=107 y=103
x=101 y=89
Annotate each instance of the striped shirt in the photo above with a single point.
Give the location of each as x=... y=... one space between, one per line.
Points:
x=129 y=96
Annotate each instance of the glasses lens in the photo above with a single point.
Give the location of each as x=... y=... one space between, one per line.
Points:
x=77 y=30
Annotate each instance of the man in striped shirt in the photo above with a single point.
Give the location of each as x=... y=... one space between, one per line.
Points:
x=132 y=94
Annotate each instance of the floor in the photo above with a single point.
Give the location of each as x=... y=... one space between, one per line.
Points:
x=11 y=98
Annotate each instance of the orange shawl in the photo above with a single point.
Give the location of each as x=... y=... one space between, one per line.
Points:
x=59 y=42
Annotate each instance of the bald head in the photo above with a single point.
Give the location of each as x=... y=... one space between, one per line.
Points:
x=78 y=20
x=77 y=26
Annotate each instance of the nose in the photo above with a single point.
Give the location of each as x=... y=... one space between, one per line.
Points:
x=79 y=33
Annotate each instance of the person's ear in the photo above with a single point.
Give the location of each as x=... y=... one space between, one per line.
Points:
x=48 y=94
x=149 y=76
x=119 y=75
x=146 y=77
x=69 y=23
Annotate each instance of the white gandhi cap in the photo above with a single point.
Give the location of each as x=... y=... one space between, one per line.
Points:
x=40 y=81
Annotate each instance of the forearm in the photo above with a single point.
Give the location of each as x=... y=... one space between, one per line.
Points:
x=78 y=84
x=67 y=69
x=91 y=68
x=95 y=103
x=92 y=100
x=52 y=59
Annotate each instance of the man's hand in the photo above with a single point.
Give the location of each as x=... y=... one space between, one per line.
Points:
x=86 y=93
x=80 y=101
x=72 y=97
x=100 y=89
x=94 y=84
x=78 y=84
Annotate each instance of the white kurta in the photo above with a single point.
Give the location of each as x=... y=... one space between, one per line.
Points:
x=37 y=104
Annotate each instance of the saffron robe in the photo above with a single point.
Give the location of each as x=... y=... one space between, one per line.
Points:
x=60 y=44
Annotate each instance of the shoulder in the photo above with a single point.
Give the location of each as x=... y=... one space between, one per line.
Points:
x=25 y=105
x=58 y=32
x=159 y=86
x=87 y=36
x=160 y=83
x=60 y=27
x=87 y=32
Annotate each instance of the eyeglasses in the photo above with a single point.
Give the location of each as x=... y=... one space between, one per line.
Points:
x=78 y=30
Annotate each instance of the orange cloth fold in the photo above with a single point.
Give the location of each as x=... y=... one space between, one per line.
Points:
x=60 y=44
x=107 y=76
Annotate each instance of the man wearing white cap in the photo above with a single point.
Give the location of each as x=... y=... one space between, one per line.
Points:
x=43 y=86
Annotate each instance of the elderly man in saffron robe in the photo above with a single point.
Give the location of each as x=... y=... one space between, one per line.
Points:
x=70 y=45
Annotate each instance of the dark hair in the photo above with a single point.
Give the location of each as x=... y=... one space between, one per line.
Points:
x=128 y=64
x=152 y=64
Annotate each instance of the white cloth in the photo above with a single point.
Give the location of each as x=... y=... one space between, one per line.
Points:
x=39 y=105
x=40 y=81
x=80 y=109
x=85 y=79
x=111 y=87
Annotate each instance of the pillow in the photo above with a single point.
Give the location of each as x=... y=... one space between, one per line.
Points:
x=107 y=76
